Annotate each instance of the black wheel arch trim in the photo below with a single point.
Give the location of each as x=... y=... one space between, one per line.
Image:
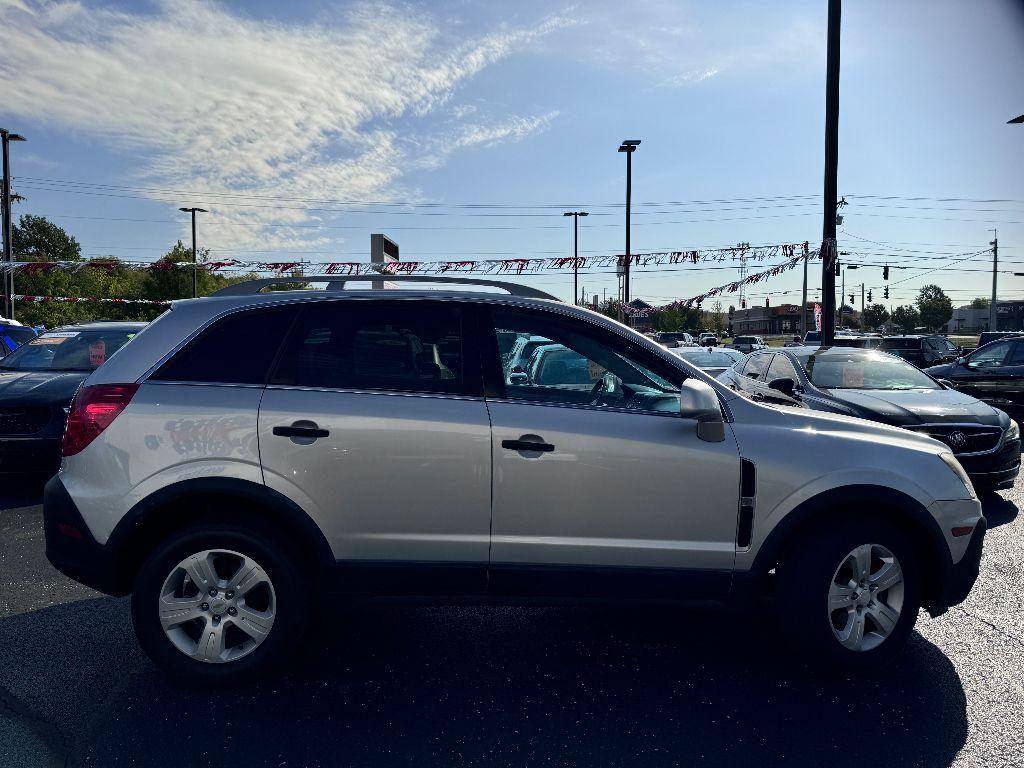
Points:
x=121 y=546
x=939 y=565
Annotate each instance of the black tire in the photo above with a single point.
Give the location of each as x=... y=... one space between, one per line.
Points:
x=804 y=577
x=291 y=586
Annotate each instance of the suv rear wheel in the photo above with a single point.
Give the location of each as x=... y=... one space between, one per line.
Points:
x=850 y=592
x=219 y=604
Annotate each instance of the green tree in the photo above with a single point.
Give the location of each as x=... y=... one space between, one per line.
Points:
x=906 y=318
x=979 y=302
x=875 y=315
x=935 y=307
x=36 y=238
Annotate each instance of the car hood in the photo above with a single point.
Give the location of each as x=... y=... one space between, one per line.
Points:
x=938 y=371
x=27 y=387
x=906 y=408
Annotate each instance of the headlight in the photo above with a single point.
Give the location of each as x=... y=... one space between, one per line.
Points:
x=950 y=461
x=1013 y=431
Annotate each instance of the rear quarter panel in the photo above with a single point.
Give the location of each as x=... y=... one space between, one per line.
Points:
x=168 y=433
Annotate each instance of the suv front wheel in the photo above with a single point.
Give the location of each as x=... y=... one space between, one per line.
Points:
x=219 y=604
x=850 y=592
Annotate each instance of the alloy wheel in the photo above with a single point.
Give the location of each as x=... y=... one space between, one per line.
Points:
x=217 y=606
x=865 y=597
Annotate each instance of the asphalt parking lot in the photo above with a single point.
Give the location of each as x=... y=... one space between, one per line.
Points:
x=409 y=685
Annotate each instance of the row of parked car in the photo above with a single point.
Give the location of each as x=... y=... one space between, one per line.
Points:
x=969 y=400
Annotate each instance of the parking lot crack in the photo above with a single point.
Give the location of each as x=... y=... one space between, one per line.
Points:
x=986 y=622
x=51 y=734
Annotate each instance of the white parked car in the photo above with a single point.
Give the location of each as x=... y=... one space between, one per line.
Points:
x=247 y=452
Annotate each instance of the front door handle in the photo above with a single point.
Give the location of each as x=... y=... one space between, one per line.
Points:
x=527 y=445
x=305 y=429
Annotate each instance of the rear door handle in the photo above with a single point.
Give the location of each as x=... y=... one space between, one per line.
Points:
x=301 y=431
x=527 y=445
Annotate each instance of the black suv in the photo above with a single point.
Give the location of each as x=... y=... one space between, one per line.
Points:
x=883 y=388
x=922 y=351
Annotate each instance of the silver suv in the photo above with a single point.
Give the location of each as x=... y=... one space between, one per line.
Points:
x=250 y=451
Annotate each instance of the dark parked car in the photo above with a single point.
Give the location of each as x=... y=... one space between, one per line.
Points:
x=13 y=336
x=993 y=373
x=987 y=337
x=880 y=387
x=921 y=351
x=37 y=382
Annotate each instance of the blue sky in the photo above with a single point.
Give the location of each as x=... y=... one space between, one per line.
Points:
x=166 y=104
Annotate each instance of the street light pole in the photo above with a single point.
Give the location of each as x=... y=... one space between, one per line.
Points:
x=629 y=147
x=195 y=260
x=575 y=253
x=7 y=137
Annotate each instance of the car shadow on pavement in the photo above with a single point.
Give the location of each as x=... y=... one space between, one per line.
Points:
x=410 y=685
x=998 y=510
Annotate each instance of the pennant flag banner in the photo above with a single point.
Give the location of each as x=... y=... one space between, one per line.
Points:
x=756 y=277
x=744 y=253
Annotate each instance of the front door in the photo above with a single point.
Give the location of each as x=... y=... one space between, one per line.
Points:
x=598 y=482
x=374 y=423
x=995 y=375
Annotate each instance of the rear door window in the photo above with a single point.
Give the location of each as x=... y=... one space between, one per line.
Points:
x=379 y=345
x=238 y=349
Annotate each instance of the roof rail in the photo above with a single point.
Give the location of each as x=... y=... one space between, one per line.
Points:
x=337 y=283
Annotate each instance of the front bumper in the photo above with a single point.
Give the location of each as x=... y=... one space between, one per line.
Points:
x=30 y=455
x=70 y=547
x=994 y=471
x=957 y=579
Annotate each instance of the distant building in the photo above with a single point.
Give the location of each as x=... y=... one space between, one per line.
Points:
x=771 y=321
x=970 y=320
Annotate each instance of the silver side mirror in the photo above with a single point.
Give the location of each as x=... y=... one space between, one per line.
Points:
x=699 y=401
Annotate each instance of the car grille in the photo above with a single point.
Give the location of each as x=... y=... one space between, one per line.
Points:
x=965 y=439
x=23 y=421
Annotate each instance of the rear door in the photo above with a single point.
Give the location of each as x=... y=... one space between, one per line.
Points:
x=374 y=422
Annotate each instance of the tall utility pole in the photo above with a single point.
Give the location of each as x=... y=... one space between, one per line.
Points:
x=803 y=301
x=576 y=253
x=831 y=191
x=195 y=258
x=629 y=147
x=993 y=315
x=7 y=137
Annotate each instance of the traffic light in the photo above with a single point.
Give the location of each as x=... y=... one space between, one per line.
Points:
x=851 y=298
x=767 y=302
x=886 y=293
x=885 y=272
x=837 y=268
x=743 y=304
x=869 y=297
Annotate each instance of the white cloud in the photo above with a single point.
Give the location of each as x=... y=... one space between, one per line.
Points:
x=227 y=103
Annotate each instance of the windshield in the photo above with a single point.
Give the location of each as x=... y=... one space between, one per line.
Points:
x=67 y=350
x=875 y=370
x=704 y=358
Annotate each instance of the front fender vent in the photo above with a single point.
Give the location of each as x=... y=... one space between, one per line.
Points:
x=748 y=494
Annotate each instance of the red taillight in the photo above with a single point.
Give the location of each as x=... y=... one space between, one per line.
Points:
x=517 y=369
x=962 y=530
x=92 y=411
